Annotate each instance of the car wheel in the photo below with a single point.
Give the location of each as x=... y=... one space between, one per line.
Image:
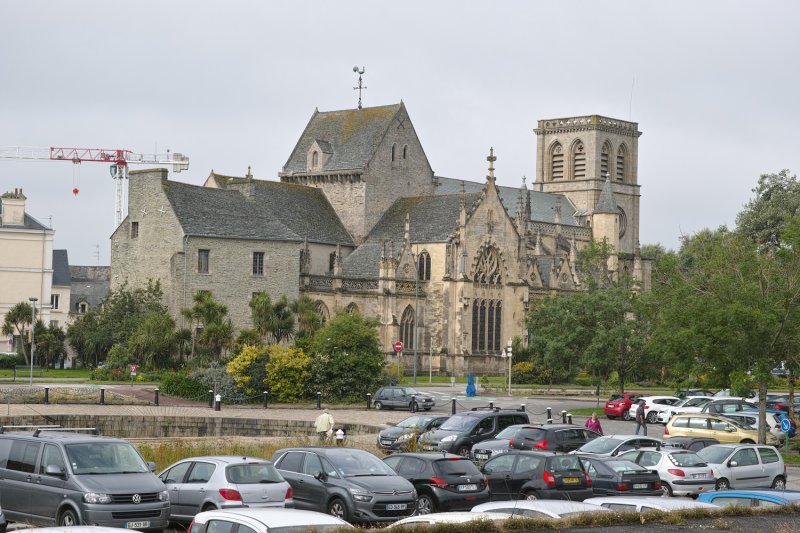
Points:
x=529 y=496
x=209 y=507
x=748 y=441
x=626 y=416
x=723 y=484
x=68 y=518
x=610 y=417
x=463 y=451
x=779 y=483
x=652 y=417
x=337 y=508
x=666 y=490
x=425 y=505
x=378 y=405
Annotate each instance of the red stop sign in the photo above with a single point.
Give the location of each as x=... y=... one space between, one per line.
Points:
x=398 y=346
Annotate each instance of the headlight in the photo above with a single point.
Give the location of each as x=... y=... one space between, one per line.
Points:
x=403 y=437
x=163 y=496
x=361 y=495
x=450 y=438
x=94 y=497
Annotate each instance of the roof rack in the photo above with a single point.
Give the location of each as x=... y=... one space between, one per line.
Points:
x=93 y=431
x=3 y=429
x=486 y=408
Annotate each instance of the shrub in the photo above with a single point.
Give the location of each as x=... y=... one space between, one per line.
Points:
x=249 y=369
x=9 y=361
x=181 y=385
x=217 y=379
x=119 y=356
x=288 y=374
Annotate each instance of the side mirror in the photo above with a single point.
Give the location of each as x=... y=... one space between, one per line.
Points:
x=733 y=463
x=54 y=470
x=320 y=476
x=730 y=429
x=486 y=470
x=151 y=465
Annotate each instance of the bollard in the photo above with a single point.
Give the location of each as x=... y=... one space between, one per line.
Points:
x=569 y=418
x=102 y=396
x=218 y=402
x=369 y=400
x=563 y=417
x=266 y=399
x=413 y=403
x=46 y=395
x=319 y=400
x=491 y=405
x=156 y=391
x=549 y=415
x=522 y=407
x=453 y=408
x=211 y=398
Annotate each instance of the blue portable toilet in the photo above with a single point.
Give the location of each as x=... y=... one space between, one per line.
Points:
x=470 y=385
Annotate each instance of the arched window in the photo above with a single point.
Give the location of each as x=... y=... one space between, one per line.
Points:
x=488 y=268
x=424 y=266
x=487 y=318
x=621 y=162
x=498 y=315
x=578 y=161
x=331 y=261
x=322 y=310
x=482 y=326
x=394 y=149
x=405 y=151
x=475 y=326
x=556 y=162
x=351 y=309
x=490 y=326
x=408 y=322
x=315 y=159
x=604 y=159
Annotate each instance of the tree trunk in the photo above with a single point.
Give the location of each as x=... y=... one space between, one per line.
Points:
x=762 y=411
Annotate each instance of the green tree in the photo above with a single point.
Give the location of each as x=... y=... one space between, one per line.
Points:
x=273 y=321
x=249 y=369
x=308 y=318
x=776 y=203
x=17 y=318
x=211 y=318
x=86 y=337
x=153 y=342
x=288 y=373
x=50 y=346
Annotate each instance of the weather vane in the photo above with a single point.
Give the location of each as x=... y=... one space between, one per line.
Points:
x=360 y=87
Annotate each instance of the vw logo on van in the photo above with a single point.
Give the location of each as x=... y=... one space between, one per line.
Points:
x=136 y=498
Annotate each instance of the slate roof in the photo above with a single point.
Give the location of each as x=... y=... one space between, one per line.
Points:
x=89 y=284
x=606 y=202
x=275 y=211
x=28 y=223
x=542 y=203
x=353 y=135
x=61 y=276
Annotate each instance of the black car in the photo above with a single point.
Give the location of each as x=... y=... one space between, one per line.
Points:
x=444 y=482
x=693 y=444
x=612 y=476
x=552 y=437
x=405 y=433
x=523 y=475
x=396 y=397
x=349 y=483
x=720 y=406
x=461 y=431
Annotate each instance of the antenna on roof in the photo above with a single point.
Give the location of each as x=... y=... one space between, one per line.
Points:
x=360 y=71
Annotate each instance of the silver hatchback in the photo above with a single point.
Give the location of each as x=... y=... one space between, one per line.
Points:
x=682 y=473
x=745 y=466
x=221 y=482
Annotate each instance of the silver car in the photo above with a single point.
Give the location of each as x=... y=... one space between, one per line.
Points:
x=643 y=504
x=691 y=404
x=682 y=473
x=745 y=466
x=220 y=482
x=265 y=521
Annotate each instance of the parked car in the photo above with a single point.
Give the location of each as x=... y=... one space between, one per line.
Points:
x=694 y=392
x=348 y=483
x=682 y=473
x=219 y=482
x=617 y=406
x=407 y=430
x=643 y=504
x=612 y=476
x=743 y=466
x=780 y=372
x=750 y=418
x=652 y=406
x=613 y=445
x=775 y=420
x=693 y=444
x=691 y=404
x=452 y=517
x=553 y=437
x=539 y=508
x=444 y=482
x=264 y=521
x=524 y=475
x=463 y=430
x=722 y=406
x=752 y=498
x=725 y=430
x=401 y=397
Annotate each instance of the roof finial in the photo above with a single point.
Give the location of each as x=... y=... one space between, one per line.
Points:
x=491 y=159
x=360 y=71
x=249 y=175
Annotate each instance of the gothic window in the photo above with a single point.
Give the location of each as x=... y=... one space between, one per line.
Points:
x=490 y=329
x=498 y=312
x=623 y=222
x=202 y=261
x=424 y=266
x=351 y=309
x=405 y=152
x=407 y=323
x=621 y=157
x=578 y=161
x=394 y=149
x=486 y=326
x=315 y=160
x=556 y=162
x=604 y=159
x=475 y=326
x=258 y=263
x=331 y=261
x=488 y=268
x=322 y=310
x=482 y=326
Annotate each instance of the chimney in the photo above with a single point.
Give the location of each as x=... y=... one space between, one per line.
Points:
x=13 y=208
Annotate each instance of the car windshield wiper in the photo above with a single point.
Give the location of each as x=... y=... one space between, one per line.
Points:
x=365 y=474
x=268 y=481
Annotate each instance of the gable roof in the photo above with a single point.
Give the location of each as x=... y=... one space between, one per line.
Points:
x=351 y=135
x=89 y=284
x=61 y=277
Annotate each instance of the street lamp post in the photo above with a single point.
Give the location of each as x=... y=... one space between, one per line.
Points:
x=416 y=311
x=33 y=301
x=508 y=353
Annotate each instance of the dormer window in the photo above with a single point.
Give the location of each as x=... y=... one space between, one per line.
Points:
x=315 y=160
x=318 y=154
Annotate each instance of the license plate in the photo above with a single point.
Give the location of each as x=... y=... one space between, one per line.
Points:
x=571 y=480
x=698 y=476
x=481 y=456
x=396 y=506
x=136 y=525
x=610 y=405
x=386 y=442
x=640 y=485
x=468 y=487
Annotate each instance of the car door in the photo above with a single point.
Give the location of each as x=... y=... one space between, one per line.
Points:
x=196 y=488
x=699 y=426
x=174 y=479
x=525 y=470
x=498 y=470
x=746 y=470
x=18 y=485
x=771 y=461
x=568 y=439
x=290 y=465
x=51 y=492
x=314 y=488
x=485 y=429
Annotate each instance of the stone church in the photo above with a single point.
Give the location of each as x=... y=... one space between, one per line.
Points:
x=360 y=222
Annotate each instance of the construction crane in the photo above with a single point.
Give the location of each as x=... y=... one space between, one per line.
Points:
x=118 y=158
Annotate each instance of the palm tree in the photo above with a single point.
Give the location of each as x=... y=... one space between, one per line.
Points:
x=17 y=318
x=308 y=318
x=272 y=321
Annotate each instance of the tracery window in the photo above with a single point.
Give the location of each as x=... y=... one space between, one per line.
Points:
x=407 y=323
x=487 y=318
x=556 y=162
x=322 y=310
x=578 y=161
x=424 y=266
x=351 y=309
x=488 y=268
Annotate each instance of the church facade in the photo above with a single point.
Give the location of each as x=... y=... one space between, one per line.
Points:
x=360 y=222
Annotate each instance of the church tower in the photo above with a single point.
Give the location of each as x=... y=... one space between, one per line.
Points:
x=575 y=155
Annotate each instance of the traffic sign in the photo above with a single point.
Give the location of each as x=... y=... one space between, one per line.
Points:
x=398 y=346
x=786 y=425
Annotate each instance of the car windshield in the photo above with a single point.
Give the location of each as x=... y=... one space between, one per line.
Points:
x=511 y=432
x=414 y=422
x=601 y=445
x=457 y=467
x=105 y=458
x=714 y=454
x=459 y=423
x=411 y=391
x=615 y=397
x=352 y=463
x=252 y=473
x=623 y=466
x=686 y=459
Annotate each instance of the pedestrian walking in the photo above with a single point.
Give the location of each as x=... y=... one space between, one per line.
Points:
x=593 y=423
x=641 y=420
x=324 y=425
x=340 y=436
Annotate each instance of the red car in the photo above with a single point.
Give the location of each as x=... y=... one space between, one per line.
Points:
x=619 y=404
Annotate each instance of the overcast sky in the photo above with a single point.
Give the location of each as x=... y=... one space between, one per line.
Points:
x=714 y=86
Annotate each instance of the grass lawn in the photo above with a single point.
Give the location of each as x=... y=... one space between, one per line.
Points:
x=75 y=373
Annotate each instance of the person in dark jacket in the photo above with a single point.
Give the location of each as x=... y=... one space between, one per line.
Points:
x=640 y=418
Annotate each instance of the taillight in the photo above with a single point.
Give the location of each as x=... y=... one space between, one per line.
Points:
x=777 y=426
x=439 y=482
x=588 y=480
x=676 y=472
x=230 y=494
x=647 y=407
x=666 y=430
x=622 y=486
x=289 y=494
x=510 y=443
x=542 y=445
x=657 y=485
x=485 y=480
x=549 y=480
